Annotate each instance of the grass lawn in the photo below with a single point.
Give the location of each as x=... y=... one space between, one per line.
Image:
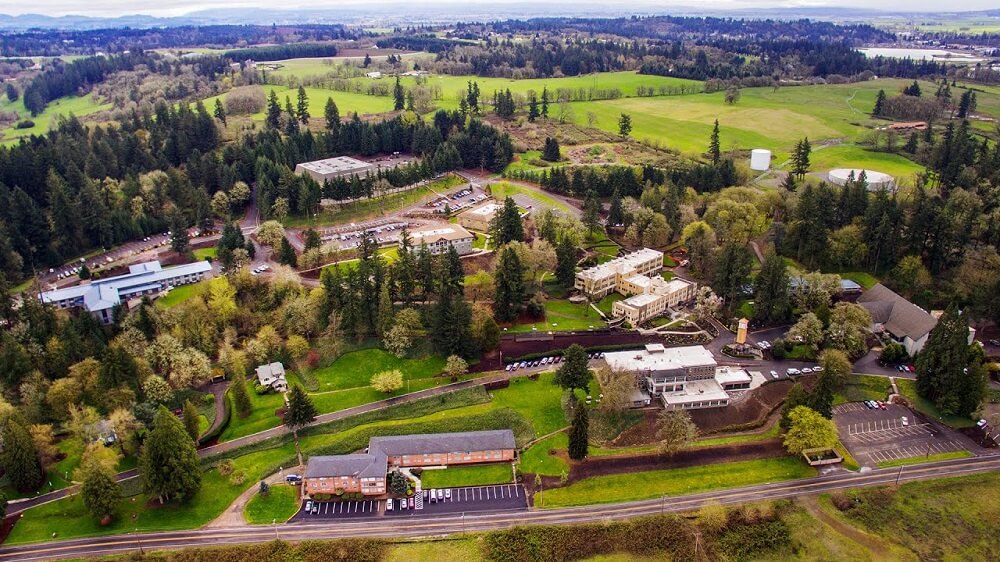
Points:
x=536 y=459
x=908 y=388
x=927 y=458
x=539 y=401
x=802 y=352
x=859 y=388
x=772 y=432
x=656 y=483
x=347 y=102
x=261 y=416
x=461 y=550
x=180 y=294
x=853 y=156
x=504 y=189
x=607 y=303
x=69 y=518
x=355 y=369
x=561 y=316
x=458 y=476
x=205 y=253
x=77 y=105
x=280 y=504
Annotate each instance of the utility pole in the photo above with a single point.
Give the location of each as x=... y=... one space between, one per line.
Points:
x=274 y=524
x=898 y=474
x=137 y=541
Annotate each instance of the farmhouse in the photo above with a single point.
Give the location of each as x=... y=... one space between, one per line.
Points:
x=272 y=376
x=332 y=168
x=366 y=473
x=683 y=378
x=99 y=297
x=439 y=239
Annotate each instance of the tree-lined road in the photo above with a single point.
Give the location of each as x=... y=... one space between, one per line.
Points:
x=451 y=524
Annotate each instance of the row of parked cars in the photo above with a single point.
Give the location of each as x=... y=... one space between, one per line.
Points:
x=875 y=404
x=804 y=370
x=546 y=361
x=260 y=269
x=430 y=496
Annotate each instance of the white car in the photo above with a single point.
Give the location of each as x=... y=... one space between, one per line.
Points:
x=447 y=493
x=774 y=374
x=904 y=421
x=806 y=370
x=388 y=504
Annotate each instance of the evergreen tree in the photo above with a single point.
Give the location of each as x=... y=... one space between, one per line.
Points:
x=771 y=301
x=169 y=464
x=452 y=274
x=19 y=456
x=591 y=213
x=966 y=104
x=616 y=214
x=624 y=125
x=533 y=112
x=220 y=111
x=99 y=490
x=190 y=418
x=451 y=333
x=84 y=272
x=912 y=143
x=789 y=182
x=368 y=60
x=579 y=433
x=550 y=152
x=398 y=96
x=312 y=239
x=879 y=104
x=509 y=292
x=714 y=148
x=947 y=373
x=732 y=269
x=409 y=101
x=800 y=157
x=545 y=102
x=796 y=396
x=241 y=399
x=820 y=397
x=566 y=261
x=506 y=225
x=386 y=315
x=292 y=123
x=273 y=120
x=332 y=114
x=912 y=90
x=302 y=106
x=574 y=373
x=286 y=254
x=300 y=408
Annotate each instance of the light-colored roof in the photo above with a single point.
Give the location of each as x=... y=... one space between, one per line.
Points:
x=450 y=232
x=271 y=372
x=660 y=358
x=337 y=165
x=696 y=391
x=486 y=209
x=728 y=375
x=622 y=265
x=898 y=315
x=643 y=299
x=106 y=293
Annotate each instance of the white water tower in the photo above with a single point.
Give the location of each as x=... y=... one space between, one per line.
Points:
x=760 y=159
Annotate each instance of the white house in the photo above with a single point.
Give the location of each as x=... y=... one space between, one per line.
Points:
x=272 y=376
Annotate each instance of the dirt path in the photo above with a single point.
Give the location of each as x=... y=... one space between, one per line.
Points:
x=233 y=515
x=218 y=390
x=877 y=546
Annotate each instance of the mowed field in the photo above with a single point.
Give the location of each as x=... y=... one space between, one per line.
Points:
x=76 y=105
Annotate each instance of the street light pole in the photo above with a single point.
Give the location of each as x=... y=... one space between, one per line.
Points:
x=275 y=526
x=898 y=474
x=137 y=541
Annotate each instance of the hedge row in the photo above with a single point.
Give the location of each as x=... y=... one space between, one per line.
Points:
x=340 y=550
x=647 y=536
x=214 y=433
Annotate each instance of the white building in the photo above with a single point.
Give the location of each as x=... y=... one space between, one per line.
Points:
x=439 y=239
x=637 y=277
x=683 y=378
x=478 y=218
x=100 y=296
x=272 y=376
x=331 y=168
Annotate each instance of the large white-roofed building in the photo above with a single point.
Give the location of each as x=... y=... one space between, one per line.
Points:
x=683 y=378
x=332 y=168
x=600 y=280
x=439 y=239
x=100 y=296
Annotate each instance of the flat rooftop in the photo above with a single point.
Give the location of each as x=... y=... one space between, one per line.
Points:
x=641 y=300
x=696 y=391
x=623 y=264
x=337 y=165
x=655 y=357
x=489 y=209
x=451 y=232
x=729 y=375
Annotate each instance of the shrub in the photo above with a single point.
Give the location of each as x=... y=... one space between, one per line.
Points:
x=261 y=389
x=238 y=478
x=225 y=467
x=245 y=100
x=24 y=124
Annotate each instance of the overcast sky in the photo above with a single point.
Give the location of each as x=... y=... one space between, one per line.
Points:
x=180 y=7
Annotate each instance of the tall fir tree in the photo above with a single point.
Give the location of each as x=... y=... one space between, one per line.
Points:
x=398 y=96
x=169 y=466
x=100 y=491
x=220 y=111
x=273 y=120
x=616 y=213
x=947 y=373
x=545 y=103
x=579 y=433
x=19 y=456
x=879 y=104
x=714 y=148
x=591 y=213
x=301 y=410
x=566 y=261
x=190 y=418
x=533 y=112
x=286 y=254
x=509 y=290
x=771 y=299
x=332 y=114
x=506 y=225
x=302 y=106
x=240 y=396
x=574 y=372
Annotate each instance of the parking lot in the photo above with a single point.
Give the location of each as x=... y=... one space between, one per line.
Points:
x=874 y=435
x=502 y=497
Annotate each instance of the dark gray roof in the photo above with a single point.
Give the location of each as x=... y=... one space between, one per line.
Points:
x=899 y=316
x=359 y=466
x=430 y=443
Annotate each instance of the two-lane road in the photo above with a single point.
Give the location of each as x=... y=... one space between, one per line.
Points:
x=450 y=524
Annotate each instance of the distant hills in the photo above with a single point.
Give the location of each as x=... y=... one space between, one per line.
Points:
x=390 y=14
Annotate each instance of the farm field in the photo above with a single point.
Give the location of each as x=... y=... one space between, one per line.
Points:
x=76 y=105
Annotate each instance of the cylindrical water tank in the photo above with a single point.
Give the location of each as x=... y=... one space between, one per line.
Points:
x=760 y=159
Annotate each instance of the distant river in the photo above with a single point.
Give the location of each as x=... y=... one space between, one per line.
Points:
x=919 y=54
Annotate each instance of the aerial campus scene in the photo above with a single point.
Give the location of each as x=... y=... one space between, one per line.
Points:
x=499 y=281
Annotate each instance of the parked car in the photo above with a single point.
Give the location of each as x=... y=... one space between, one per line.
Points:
x=402 y=503
x=429 y=495
x=440 y=494
x=409 y=503
x=995 y=342
x=315 y=508
x=792 y=371
x=806 y=370
x=882 y=405
x=558 y=358
x=293 y=479
x=447 y=492
x=905 y=421
x=818 y=369
x=774 y=374
x=309 y=506
x=388 y=504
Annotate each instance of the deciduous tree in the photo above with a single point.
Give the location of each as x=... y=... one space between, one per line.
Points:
x=807 y=429
x=675 y=430
x=387 y=381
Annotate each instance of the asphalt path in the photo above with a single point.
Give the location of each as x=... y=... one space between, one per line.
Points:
x=461 y=523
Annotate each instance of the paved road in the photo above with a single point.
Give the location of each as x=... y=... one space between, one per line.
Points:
x=453 y=524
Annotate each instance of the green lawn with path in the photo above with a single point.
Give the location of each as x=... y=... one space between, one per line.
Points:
x=205 y=253
x=538 y=460
x=355 y=369
x=673 y=482
x=460 y=476
x=279 y=504
x=261 y=415
x=502 y=190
